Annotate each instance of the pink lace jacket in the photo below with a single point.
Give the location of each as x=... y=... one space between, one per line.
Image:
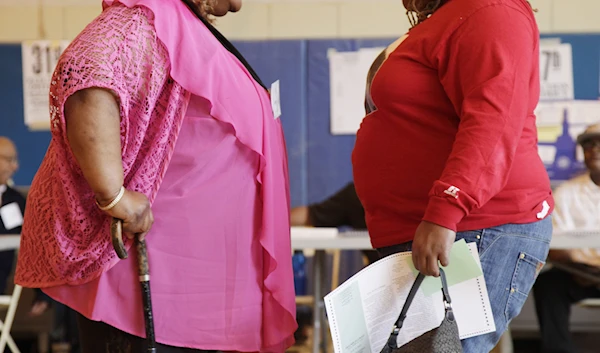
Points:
x=65 y=236
x=152 y=68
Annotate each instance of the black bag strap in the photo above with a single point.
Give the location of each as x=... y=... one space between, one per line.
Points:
x=413 y=293
x=393 y=339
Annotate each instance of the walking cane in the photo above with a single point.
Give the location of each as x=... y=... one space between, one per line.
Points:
x=116 y=233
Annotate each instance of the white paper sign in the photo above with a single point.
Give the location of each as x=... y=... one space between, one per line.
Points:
x=578 y=113
x=276 y=99
x=547 y=153
x=11 y=216
x=348 y=80
x=556 y=72
x=39 y=59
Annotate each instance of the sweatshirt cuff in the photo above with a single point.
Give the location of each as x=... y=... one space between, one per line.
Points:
x=444 y=212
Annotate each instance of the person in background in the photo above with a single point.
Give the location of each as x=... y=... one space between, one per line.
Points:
x=10 y=196
x=451 y=151
x=158 y=121
x=577 y=207
x=12 y=206
x=342 y=208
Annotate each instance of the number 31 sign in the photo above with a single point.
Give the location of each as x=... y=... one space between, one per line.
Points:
x=39 y=59
x=556 y=72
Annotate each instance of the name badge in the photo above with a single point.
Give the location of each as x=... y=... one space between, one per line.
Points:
x=275 y=100
x=11 y=216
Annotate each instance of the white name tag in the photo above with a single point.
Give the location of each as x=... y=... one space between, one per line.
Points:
x=11 y=216
x=275 y=99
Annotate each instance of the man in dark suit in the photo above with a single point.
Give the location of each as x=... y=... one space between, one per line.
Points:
x=12 y=209
x=12 y=206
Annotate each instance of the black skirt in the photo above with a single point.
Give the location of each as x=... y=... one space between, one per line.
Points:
x=98 y=337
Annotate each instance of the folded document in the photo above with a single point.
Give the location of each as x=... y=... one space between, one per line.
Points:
x=362 y=311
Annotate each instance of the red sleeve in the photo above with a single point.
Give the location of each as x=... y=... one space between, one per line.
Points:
x=487 y=68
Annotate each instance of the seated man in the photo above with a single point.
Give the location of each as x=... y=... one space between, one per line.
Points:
x=12 y=209
x=577 y=207
x=12 y=206
x=10 y=219
x=341 y=209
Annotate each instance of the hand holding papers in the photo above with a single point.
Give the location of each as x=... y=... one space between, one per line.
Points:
x=361 y=311
x=463 y=267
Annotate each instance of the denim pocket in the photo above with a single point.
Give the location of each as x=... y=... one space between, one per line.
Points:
x=526 y=271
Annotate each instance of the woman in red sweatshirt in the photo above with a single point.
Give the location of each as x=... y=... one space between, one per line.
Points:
x=451 y=151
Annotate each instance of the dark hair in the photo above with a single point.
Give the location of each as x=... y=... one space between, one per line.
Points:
x=202 y=8
x=418 y=12
x=369 y=105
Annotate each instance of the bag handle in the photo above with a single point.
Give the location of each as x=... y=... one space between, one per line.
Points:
x=413 y=293
x=392 y=342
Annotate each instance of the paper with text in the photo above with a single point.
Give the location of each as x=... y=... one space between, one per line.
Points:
x=348 y=81
x=363 y=309
x=39 y=58
x=556 y=71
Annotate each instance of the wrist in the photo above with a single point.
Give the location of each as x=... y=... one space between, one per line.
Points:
x=443 y=212
x=435 y=225
x=106 y=201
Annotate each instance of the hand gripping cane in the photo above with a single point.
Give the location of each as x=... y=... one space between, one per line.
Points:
x=116 y=233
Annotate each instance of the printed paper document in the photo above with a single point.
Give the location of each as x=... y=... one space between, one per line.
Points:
x=362 y=311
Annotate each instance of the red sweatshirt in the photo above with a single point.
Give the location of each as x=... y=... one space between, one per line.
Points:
x=453 y=140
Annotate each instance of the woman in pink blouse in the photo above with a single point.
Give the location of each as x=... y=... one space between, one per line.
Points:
x=152 y=107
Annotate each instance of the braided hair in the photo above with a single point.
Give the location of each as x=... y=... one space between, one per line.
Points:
x=202 y=8
x=418 y=12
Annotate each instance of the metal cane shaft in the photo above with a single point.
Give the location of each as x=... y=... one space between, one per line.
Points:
x=116 y=233
x=144 y=274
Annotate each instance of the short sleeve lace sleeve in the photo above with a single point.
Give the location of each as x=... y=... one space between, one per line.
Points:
x=109 y=53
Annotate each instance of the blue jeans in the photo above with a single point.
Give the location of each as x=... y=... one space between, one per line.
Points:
x=511 y=257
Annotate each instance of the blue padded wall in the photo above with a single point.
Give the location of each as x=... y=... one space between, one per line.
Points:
x=329 y=164
x=319 y=162
x=31 y=145
x=286 y=61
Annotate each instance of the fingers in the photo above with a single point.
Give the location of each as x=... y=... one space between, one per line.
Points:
x=433 y=268
x=140 y=225
x=135 y=212
x=444 y=258
x=427 y=265
x=149 y=220
x=431 y=247
x=129 y=235
x=428 y=261
x=416 y=257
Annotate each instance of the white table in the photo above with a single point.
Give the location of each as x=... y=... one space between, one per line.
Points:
x=575 y=240
x=329 y=239
x=10 y=242
x=320 y=240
